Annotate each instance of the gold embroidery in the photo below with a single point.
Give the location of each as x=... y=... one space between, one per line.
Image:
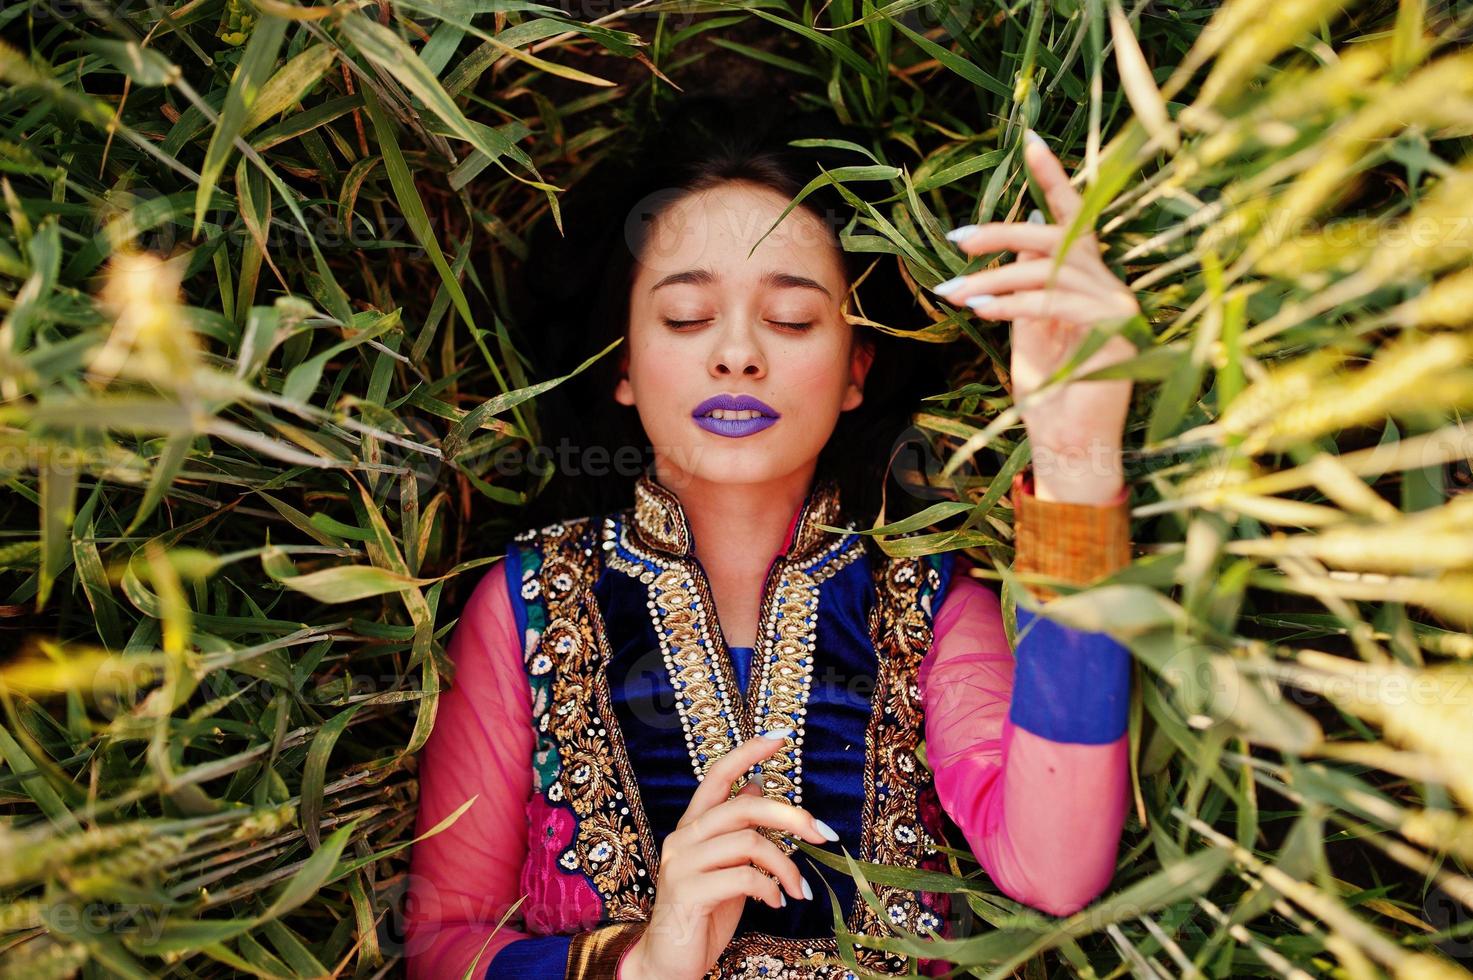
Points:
x=661 y=521
x=760 y=956
x=613 y=844
x=892 y=832
x=654 y=548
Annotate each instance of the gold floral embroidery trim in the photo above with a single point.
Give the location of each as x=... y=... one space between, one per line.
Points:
x=613 y=843
x=714 y=716
x=662 y=523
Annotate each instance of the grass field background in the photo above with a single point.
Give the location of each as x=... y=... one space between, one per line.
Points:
x=257 y=367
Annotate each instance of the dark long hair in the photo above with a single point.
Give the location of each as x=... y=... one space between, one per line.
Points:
x=576 y=302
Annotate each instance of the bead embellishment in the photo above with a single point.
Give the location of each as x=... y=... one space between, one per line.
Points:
x=714 y=715
x=580 y=763
x=580 y=760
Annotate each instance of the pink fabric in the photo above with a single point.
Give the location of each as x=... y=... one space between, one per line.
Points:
x=1043 y=817
x=568 y=901
x=464 y=879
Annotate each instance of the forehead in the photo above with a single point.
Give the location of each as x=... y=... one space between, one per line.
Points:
x=717 y=228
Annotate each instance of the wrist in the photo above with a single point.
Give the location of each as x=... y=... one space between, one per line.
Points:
x=631 y=963
x=1087 y=472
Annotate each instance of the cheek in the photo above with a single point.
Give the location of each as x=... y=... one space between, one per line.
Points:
x=665 y=376
x=654 y=362
x=816 y=367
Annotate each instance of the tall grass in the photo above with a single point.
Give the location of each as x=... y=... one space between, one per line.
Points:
x=259 y=376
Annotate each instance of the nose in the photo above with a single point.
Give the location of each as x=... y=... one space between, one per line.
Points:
x=737 y=352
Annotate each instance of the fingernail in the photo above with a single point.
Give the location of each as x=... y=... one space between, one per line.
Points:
x=1032 y=137
x=777 y=733
x=957 y=234
x=784 y=900
x=825 y=829
x=980 y=300
x=807 y=892
x=1035 y=217
x=947 y=287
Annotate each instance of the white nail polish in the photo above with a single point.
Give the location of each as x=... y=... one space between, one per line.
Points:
x=1035 y=217
x=957 y=234
x=777 y=733
x=1032 y=137
x=949 y=286
x=980 y=300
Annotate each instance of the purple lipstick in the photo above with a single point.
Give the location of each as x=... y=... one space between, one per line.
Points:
x=741 y=406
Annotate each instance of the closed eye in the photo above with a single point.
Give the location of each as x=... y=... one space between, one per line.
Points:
x=677 y=324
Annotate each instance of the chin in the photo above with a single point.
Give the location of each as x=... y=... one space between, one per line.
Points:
x=748 y=467
x=722 y=464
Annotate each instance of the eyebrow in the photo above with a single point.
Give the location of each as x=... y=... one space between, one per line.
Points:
x=777 y=280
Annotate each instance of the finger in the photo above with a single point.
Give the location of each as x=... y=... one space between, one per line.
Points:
x=718 y=886
x=1016 y=276
x=1035 y=217
x=716 y=786
x=1081 y=309
x=1030 y=241
x=1017 y=236
x=744 y=811
x=1063 y=200
x=743 y=847
x=1087 y=258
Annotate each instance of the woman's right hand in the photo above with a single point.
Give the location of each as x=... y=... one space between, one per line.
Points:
x=706 y=872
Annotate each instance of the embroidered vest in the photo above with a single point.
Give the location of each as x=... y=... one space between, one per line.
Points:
x=634 y=696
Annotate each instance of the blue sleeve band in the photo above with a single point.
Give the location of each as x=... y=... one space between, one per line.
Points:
x=533 y=958
x=1069 y=685
x=946 y=568
x=514 y=587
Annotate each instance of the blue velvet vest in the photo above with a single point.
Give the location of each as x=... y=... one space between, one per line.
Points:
x=635 y=695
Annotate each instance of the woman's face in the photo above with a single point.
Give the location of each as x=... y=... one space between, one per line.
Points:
x=706 y=320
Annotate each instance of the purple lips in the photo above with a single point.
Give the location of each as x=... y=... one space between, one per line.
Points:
x=735 y=403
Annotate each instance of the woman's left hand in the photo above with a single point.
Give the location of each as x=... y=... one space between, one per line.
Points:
x=1077 y=430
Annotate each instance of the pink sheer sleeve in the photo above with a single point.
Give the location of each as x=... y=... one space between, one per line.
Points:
x=464 y=879
x=1042 y=814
